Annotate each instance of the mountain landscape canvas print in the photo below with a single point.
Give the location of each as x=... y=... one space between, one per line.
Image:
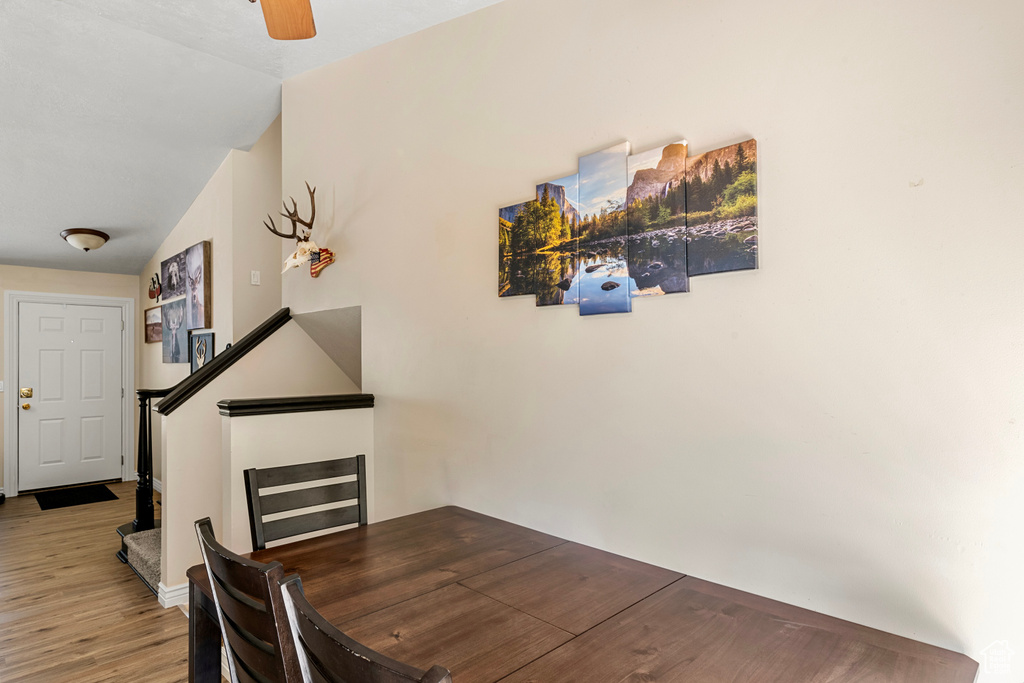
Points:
x=558 y=204
x=632 y=226
x=721 y=218
x=537 y=245
x=605 y=281
x=515 y=276
x=656 y=219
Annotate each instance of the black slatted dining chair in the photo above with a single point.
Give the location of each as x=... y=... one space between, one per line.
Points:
x=251 y=613
x=326 y=655
x=263 y=504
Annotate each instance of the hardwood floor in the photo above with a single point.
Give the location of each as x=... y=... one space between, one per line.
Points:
x=69 y=610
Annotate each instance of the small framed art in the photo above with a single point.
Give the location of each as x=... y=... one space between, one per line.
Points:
x=154 y=325
x=200 y=349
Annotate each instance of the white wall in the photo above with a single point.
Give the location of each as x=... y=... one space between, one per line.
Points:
x=229 y=213
x=257 y=192
x=289 y=439
x=840 y=429
x=287 y=363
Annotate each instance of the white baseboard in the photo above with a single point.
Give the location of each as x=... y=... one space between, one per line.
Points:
x=173 y=595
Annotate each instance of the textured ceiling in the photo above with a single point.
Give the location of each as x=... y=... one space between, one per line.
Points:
x=115 y=113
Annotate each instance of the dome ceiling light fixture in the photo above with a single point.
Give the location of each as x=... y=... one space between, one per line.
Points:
x=288 y=19
x=84 y=238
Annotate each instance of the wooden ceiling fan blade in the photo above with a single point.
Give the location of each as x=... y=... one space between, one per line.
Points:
x=288 y=19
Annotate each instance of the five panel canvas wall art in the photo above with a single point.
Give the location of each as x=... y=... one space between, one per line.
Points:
x=629 y=225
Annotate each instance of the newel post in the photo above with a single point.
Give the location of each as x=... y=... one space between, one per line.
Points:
x=144 y=488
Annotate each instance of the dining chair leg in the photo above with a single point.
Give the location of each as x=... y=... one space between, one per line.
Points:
x=203 y=638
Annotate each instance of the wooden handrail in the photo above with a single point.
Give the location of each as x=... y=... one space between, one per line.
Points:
x=241 y=407
x=191 y=385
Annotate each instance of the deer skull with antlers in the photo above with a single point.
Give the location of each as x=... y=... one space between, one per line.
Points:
x=306 y=249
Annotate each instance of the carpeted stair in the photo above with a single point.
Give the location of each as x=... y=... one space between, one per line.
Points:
x=144 y=556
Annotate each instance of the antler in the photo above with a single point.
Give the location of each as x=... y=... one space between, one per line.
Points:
x=293 y=215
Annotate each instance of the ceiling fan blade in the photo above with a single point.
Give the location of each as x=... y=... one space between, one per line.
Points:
x=288 y=19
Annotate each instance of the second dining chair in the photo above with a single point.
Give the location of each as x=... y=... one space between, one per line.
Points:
x=326 y=655
x=251 y=613
x=263 y=504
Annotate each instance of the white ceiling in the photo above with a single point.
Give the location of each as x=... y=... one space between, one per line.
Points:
x=115 y=113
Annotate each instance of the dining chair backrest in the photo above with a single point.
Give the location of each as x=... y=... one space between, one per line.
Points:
x=264 y=504
x=326 y=655
x=251 y=613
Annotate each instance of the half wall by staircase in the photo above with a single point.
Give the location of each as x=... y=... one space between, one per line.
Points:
x=270 y=432
x=284 y=362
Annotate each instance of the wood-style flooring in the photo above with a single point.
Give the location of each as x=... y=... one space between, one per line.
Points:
x=69 y=610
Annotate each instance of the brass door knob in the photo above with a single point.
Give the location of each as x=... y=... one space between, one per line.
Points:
x=25 y=406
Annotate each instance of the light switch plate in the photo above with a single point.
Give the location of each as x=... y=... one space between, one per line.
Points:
x=254 y=277
x=1 y=387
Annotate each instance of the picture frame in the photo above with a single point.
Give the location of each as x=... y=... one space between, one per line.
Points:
x=172 y=272
x=198 y=289
x=200 y=349
x=174 y=336
x=154 y=324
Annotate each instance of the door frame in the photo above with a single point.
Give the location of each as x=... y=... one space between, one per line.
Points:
x=12 y=300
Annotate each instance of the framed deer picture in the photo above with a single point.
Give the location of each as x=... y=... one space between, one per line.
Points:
x=174 y=337
x=198 y=297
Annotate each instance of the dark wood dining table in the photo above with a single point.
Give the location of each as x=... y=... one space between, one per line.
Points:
x=494 y=601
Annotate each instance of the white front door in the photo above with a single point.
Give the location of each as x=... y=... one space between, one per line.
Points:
x=69 y=429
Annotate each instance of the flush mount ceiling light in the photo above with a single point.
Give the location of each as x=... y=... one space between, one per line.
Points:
x=85 y=239
x=288 y=19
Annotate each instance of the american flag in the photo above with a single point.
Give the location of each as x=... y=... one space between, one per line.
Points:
x=319 y=260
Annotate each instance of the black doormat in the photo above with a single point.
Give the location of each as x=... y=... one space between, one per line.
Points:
x=80 y=495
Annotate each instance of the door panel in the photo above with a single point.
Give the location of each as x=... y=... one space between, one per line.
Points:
x=93 y=445
x=93 y=362
x=70 y=356
x=51 y=441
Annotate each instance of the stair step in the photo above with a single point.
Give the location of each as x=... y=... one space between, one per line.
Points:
x=144 y=555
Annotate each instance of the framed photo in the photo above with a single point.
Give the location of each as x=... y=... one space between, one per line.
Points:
x=173 y=273
x=154 y=325
x=174 y=336
x=198 y=312
x=200 y=349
